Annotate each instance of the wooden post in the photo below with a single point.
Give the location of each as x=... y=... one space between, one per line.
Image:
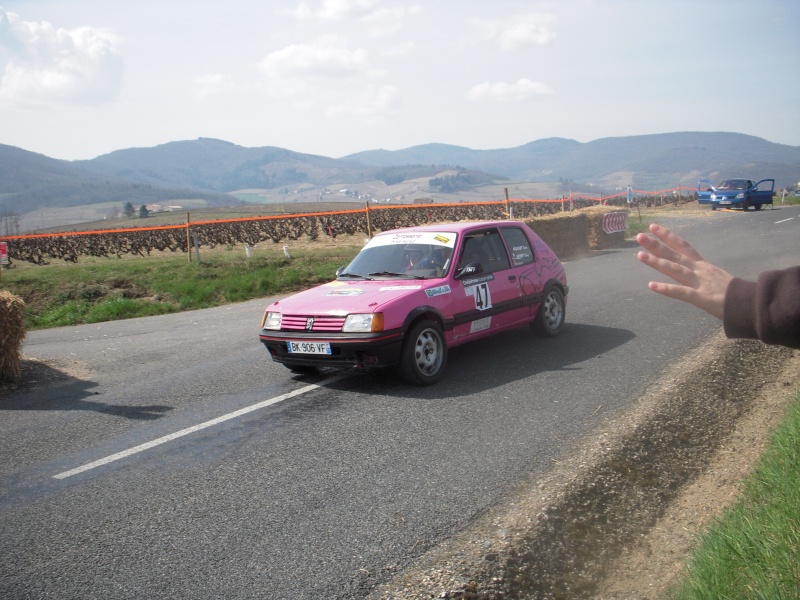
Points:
x=188 y=238
x=369 y=227
x=508 y=206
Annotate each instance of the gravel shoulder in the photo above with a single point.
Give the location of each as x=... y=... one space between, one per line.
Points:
x=618 y=516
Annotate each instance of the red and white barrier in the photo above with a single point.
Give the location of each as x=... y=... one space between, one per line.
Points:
x=615 y=222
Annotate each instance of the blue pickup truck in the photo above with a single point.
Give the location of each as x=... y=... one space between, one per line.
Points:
x=736 y=193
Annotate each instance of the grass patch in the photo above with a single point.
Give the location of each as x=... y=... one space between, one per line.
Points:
x=754 y=550
x=789 y=200
x=96 y=290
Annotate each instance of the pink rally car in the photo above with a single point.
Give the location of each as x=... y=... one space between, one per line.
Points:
x=410 y=294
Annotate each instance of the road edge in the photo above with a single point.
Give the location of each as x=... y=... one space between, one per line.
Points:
x=561 y=534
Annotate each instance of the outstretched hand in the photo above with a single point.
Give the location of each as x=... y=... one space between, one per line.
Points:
x=700 y=283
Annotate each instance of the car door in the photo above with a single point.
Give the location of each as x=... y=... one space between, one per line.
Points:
x=761 y=192
x=704 y=190
x=486 y=290
x=529 y=275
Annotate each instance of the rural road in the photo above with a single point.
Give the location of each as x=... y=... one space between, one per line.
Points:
x=167 y=457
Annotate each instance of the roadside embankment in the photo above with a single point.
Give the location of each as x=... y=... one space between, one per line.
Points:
x=561 y=535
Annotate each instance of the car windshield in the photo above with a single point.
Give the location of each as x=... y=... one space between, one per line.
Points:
x=733 y=184
x=408 y=255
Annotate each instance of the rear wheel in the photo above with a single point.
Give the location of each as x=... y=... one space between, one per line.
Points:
x=757 y=206
x=424 y=353
x=552 y=312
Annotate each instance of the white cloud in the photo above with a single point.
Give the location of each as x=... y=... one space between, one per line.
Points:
x=335 y=10
x=324 y=59
x=384 y=22
x=510 y=33
x=378 y=21
x=47 y=66
x=504 y=92
x=372 y=105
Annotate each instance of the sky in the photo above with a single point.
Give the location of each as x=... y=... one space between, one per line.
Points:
x=82 y=78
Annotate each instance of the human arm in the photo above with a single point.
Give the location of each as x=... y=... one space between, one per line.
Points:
x=767 y=309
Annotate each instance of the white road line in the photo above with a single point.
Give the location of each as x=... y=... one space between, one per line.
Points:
x=784 y=221
x=188 y=430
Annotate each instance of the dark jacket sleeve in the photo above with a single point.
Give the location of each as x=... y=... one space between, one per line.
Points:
x=767 y=310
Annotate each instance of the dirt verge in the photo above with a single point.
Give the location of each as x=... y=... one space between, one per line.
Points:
x=616 y=518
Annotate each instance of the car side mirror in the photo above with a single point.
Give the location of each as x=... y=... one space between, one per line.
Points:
x=473 y=268
x=339 y=271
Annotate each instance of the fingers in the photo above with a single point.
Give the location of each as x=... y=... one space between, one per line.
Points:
x=680 y=273
x=675 y=242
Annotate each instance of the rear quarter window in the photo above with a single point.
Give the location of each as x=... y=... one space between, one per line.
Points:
x=519 y=245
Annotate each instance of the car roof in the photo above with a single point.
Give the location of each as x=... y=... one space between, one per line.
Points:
x=458 y=227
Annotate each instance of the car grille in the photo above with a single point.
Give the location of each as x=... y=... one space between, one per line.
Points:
x=301 y=323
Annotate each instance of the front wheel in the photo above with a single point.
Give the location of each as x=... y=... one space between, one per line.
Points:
x=552 y=312
x=424 y=353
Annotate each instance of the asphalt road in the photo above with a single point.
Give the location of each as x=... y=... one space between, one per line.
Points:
x=137 y=478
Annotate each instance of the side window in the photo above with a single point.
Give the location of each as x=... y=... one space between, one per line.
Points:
x=486 y=248
x=519 y=245
x=495 y=251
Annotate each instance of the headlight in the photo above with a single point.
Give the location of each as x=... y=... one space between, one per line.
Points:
x=363 y=323
x=272 y=320
x=740 y=196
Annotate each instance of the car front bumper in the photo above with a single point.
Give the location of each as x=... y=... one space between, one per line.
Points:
x=347 y=350
x=727 y=202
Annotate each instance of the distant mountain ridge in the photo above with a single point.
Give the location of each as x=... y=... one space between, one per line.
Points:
x=211 y=169
x=657 y=157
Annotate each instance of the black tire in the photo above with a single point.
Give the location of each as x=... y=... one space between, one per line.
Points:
x=757 y=206
x=745 y=204
x=552 y=313
x=424 y=354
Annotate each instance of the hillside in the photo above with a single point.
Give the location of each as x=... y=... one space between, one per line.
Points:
x=30 y=181
x=212 y=173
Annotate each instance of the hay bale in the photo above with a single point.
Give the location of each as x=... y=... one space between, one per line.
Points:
x=12 y=332
x=565 y=233
x=599 y=239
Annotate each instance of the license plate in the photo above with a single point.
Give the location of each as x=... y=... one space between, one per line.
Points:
x=308 y=347
x=724 y=201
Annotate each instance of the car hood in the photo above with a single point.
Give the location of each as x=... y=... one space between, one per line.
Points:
x=340 y=298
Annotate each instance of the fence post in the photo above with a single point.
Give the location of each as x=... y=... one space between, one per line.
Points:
x=508 y=205
x=188 y=238
x=369 y=227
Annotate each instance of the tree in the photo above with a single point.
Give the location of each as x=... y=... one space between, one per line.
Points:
x=143 y=212
x=128 y=210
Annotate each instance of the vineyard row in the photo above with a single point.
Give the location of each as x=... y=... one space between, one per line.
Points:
x=40 y=249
